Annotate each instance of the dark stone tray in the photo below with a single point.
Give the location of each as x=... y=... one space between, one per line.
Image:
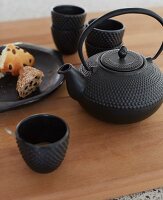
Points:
x=47 y=60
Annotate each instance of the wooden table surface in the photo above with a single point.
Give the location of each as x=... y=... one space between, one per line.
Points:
x=103 y=160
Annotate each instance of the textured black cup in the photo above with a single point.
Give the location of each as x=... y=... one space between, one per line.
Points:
x=66 y=41
x=42 y=140
x=108 y=34
x=92 y=50
x=68 y=17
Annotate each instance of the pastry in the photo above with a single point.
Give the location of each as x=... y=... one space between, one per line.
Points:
x=28 y=81
x=14 y=58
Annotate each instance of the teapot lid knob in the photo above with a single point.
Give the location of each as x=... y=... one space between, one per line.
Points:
x=122 y=60
x=122 y=52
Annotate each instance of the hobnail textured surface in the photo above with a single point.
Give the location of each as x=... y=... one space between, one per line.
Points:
x=43 y=159
x=122 y=97
x=105 y=39
x=68 y=22
x=125 y=92
x=90 y=63
x=66 y=41
x=92 y=50
x=132 y=61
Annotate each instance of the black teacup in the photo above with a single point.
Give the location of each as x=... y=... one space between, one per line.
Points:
x=42 y=140
x=66 y=41
x=108 y=34
x=92 y=50
x=68 y=17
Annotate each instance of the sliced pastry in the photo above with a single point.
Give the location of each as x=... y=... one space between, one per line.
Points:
x=28 y=81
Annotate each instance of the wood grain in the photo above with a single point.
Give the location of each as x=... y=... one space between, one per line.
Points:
x=103 y=160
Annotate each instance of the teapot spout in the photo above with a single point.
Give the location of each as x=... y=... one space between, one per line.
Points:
x=74 y=80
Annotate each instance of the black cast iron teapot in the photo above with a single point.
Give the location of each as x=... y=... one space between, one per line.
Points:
x=119 y=86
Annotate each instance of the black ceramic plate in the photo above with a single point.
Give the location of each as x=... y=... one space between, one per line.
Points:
x=48 y=61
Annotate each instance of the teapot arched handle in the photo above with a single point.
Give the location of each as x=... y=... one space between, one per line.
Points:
x=114 y=14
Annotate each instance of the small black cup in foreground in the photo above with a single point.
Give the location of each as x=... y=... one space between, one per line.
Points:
x=67 y=41
x=68 y=17
x=42 y=140
x=108 y=34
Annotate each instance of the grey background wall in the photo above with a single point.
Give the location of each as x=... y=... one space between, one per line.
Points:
x=22 y=9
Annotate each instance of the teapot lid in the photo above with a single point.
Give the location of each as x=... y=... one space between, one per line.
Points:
x=122 y=60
